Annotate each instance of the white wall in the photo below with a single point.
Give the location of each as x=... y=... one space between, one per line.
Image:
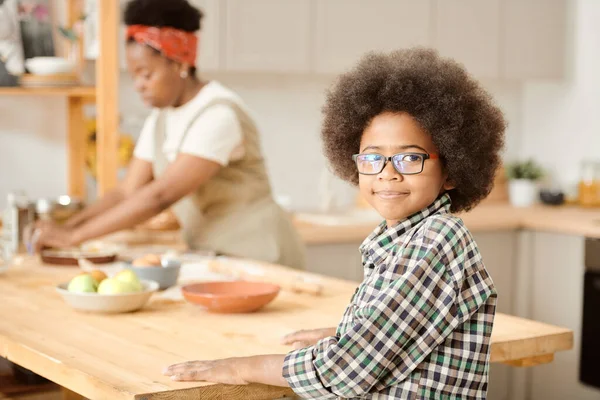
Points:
x=545 y=119
x=561 y=120
x=287 y=108
x=288 y=111
x=32 y=146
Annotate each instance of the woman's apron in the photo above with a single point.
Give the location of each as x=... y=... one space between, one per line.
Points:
x=234 y=212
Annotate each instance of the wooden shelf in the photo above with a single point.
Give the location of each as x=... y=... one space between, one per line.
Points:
x=68 y=91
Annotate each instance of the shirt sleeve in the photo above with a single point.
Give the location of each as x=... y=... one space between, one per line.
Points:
x=394 y=331
x=144 y=147
x=215 y=135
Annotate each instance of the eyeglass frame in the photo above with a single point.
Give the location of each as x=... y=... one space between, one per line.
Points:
x=426 y=156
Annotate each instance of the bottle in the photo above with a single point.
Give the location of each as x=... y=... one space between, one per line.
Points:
x=10 y=222
x=16 y=216
x=589 y=184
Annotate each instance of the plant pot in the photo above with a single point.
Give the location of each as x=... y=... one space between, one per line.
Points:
x=522 y=192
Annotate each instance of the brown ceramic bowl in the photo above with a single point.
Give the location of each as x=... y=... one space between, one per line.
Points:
x=231 y=297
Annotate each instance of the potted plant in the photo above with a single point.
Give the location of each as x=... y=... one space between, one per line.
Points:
x=523 y=182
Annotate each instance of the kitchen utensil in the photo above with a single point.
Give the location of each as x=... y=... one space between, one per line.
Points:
x=58 y=209
x=108 y=303
x=17 y=215
x=231 y=297
x=552 y=197
x=49 y=65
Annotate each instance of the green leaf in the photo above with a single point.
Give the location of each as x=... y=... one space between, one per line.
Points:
x=524 y=170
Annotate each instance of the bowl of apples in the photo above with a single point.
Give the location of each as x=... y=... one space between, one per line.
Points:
x=94 y=291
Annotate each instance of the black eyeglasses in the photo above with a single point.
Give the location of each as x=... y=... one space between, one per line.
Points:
x=404 y=163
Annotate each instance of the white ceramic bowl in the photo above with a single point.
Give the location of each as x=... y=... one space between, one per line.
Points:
x=49 y=65
x=108 y=303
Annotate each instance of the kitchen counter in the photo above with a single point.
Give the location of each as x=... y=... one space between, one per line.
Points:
x=121 y=356
x=355 y=226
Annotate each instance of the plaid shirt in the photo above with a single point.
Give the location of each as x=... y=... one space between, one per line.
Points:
x=417 y=327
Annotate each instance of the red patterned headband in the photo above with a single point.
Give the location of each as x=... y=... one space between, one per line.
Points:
x=175 y=44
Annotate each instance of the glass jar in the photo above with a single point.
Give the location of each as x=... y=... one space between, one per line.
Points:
x=589 y=184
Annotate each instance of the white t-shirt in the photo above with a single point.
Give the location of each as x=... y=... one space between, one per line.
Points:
x=215 y=135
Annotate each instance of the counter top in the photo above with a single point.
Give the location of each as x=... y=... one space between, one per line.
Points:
x=121 y=356
x=483 y=218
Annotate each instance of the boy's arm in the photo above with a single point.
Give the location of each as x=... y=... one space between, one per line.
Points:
x=264 y=369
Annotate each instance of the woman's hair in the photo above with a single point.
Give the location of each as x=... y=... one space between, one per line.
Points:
x=178 y=14
x=465 y=124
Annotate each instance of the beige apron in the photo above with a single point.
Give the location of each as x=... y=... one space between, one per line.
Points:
x=234 y=212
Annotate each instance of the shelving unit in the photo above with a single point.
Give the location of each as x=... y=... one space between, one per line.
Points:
x=104 y=95
x=86 y=92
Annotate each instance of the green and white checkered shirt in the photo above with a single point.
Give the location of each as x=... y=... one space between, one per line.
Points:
x=417 y=327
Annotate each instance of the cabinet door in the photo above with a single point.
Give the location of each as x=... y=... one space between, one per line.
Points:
x=534 y=34
x=210 y=41
x=341 y=261
x=268 y=35
x=557 y=298
x=499 y=252
x=346 y=29
x=469 y=32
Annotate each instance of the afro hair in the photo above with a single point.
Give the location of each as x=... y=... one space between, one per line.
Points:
x=461 y=117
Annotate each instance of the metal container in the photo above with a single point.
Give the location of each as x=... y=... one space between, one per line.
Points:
x=58 y=210
x=19 y=213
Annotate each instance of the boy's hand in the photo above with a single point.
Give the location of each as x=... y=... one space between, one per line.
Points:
x=305 y=338
x=220 y=371
x=265 y=369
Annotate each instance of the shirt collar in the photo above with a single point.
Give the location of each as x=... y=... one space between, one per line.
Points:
x=383 y=237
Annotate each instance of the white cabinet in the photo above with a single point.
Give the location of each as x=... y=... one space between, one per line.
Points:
x=534 y=36
x=556 y=298
x=469 y=32
x=209 y=38
x=346 y=29
x=268 y=35
x=497 y=39
x=499 y=252
x=341 y=261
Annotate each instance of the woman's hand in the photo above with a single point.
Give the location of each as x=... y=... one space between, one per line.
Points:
x=306 y=338
x=48 y=234
x=225 y=371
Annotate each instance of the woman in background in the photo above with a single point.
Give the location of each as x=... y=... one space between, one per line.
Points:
x=199 y=152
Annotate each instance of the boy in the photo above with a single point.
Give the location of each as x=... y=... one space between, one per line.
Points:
x=422 y=139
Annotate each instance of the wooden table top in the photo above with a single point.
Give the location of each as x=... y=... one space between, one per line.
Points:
x=121 y=356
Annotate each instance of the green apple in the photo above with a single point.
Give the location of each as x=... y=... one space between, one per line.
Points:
x=115 y=286
x=130 y=277
x=84 y=283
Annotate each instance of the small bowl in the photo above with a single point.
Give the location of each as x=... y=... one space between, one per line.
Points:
x=231 y=297
x=165 y=276
x=49 y=65
x=552 y=197
x=108 y=303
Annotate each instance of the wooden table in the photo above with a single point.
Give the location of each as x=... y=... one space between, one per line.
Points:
x=121 y=356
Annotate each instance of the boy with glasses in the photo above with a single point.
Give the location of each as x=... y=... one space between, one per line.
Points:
x=422 y=140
